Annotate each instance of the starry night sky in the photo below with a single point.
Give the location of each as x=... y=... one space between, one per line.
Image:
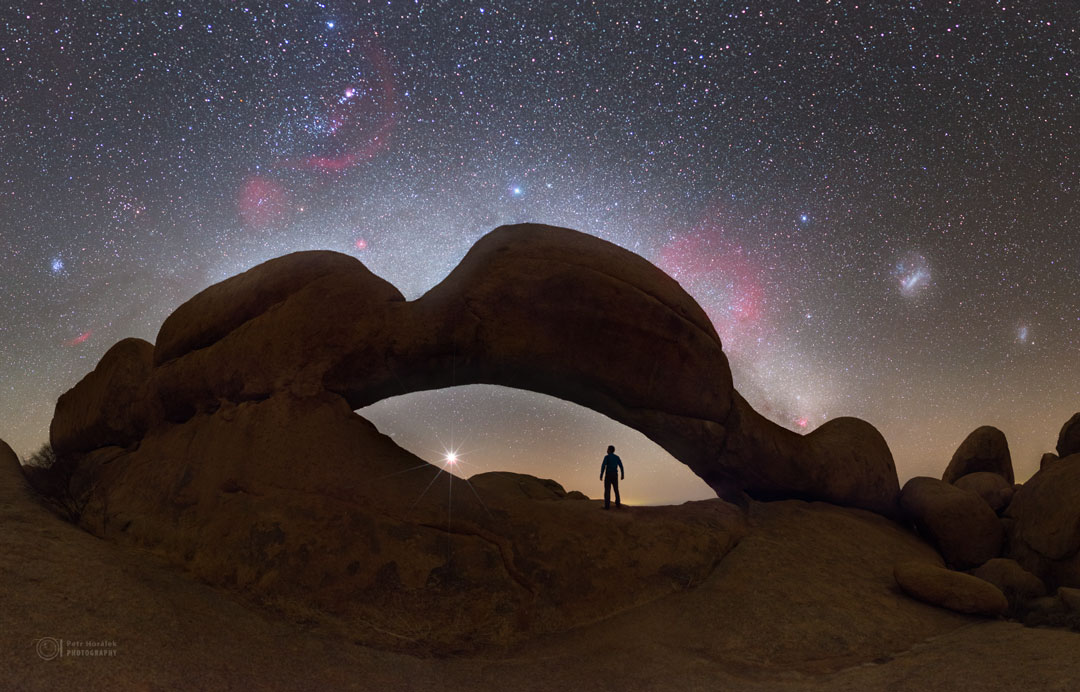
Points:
x=876 y=202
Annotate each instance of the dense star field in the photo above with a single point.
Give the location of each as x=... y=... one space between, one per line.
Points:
x=875 y=202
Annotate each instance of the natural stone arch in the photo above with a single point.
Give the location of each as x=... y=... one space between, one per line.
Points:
x=532 y=307
x=496 y=429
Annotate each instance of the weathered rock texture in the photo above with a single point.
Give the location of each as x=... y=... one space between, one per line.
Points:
x=958 y=522
x=1044 y=534
x=1068 y=441
x=533 y=307
x=985 y=449
x=948 y=589
x=806 y=602
x=1019 y=586
x=991 y=487
x=299 y=500
x=109 y=406
x=231 y=446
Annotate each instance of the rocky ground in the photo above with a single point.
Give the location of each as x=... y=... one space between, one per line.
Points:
x=805 y=601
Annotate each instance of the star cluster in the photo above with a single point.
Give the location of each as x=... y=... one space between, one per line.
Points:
x=875 y=202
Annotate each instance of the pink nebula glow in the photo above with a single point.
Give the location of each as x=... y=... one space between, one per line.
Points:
x=723 y=279
x=363 y=118
x=80 y=338
x=262 y=202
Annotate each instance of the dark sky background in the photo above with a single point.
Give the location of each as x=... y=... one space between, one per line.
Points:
x=876 y=202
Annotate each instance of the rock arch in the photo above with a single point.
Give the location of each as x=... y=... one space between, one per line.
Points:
x=534 y=307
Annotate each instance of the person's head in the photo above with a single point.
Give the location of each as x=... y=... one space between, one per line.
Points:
x=611 y=449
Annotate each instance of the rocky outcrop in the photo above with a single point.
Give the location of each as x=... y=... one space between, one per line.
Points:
x=301 y=501
x=1060 y=610
x=1068 y=442
x=991 y=487
x=948 y=589
x=533 y=307
x=985 y=449
x=1019 y=586
x=959 y=523
x=1047 y=459
x=110 y=406
x=805 y=602
x=1044 y=532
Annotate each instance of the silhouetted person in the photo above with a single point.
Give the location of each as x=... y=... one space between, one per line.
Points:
x=608 y=468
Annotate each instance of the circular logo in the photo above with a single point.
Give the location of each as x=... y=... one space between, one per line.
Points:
x=48 y=648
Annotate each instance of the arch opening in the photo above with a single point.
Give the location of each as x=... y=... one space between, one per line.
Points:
x=495 y=428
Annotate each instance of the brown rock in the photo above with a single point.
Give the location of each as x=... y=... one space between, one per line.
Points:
x=1044 y=536
x=226 y=306
x=534 y=307
x=1018 y=585
x=377 y=541
x=252 y=471
x=806 y=602
x=1068 y=442
x=959 y=523
x=989 y=486
x=1070 y=598
x=985 y=449
x=109 y=406
x=510 y=485
x=948 y=589
x=1048 y=458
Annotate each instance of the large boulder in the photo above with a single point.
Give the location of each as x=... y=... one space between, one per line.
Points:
x=301 y=502
x=1047 y=459
x=533 y=307
x=1044 y=531
x=110 y=405
x=238 y=454
x=991 y=487
x=948 y=589
x=1019 y=585
x=959 y=523
x=1068 y=441
x=805 y=601
x=985 y=449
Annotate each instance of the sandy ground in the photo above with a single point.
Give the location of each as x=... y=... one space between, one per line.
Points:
x=777 y=614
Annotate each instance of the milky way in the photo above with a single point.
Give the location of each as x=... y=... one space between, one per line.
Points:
x=875 y=202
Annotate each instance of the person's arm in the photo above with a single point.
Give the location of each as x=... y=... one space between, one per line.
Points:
x=622 y=470
x=602 y=465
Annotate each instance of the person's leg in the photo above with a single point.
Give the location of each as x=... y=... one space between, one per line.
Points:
x=607 y=492
x=615 y=485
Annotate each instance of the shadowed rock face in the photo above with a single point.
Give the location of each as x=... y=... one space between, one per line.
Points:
x=958 y=522
x=985 y=449
x=533 y=307
x=232 y=446
x=948 y=589
x=1044 y=536
x=108 y=407
x=1068 y=442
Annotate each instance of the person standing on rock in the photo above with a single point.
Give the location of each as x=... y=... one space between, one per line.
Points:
x=608 y=469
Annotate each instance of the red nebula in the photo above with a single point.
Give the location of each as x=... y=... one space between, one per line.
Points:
x=360 y=244
x=363 y=119
x=80 y=338
x=802 y=422
x=262 y=202
x=724 y=281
